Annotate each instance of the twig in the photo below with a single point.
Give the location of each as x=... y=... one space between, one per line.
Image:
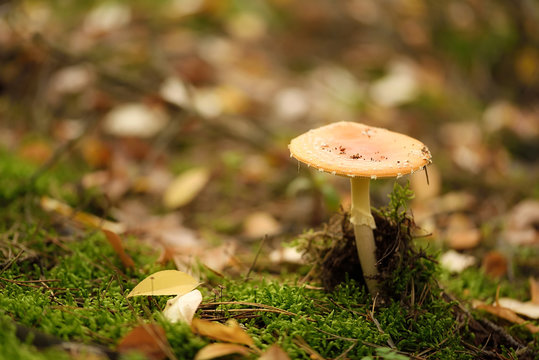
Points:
x=302 y=344
x=249 y=310
x=10 y=262
x=243 y=303
x=262 y=242
x=389 y=340
x=343 y=355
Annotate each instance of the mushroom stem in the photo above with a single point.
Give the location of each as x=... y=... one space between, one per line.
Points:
x=363 y=222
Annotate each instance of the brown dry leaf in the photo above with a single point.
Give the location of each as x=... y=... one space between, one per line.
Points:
x=494 y=264
x=534 y=291
x=96 y=153
x=274 y=352
x=37 y=152
x=149 y=339
x=508 y=315
x=83 y=218
x=116 y=243
x=216 y=350
x=528 y=309
x=231 y=332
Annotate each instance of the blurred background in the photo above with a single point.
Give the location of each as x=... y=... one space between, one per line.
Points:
x=180 y=111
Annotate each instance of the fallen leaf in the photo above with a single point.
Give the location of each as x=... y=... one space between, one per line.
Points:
x=134 y=120
x=70 y=80
x=231 y=332
x=106 y=18
x=398 y=87
x=96 y=153
x=175 y=91
x=508 y=315
x=494 y=264
x=166 y=282
x=185 y=187
x=456 y=262
x=216 y=350
x=274 y=352
x=219 y=257
x=183 y=307
x=116 y=243
x=291 y=104
x=534 y=291
x=149 y=339
x=37 y=152
x=83 y=218
x=289 y=255
x=522 y=223
x=259 y=224
x=461 y=233
x=527 y=309
x=453 y=202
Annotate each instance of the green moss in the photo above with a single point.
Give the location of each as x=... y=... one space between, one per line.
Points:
x=331 y=323
x=472 y=284
x=12 y=348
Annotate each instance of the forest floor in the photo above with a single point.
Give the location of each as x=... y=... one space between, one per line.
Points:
x=141 y=138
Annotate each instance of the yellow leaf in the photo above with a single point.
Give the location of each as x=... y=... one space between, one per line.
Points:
x=185 y=187
x=166 y=282
x=231 y=332
x=82 y=218
x=216 y=350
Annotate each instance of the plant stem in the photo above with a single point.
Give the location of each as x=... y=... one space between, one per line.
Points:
x=363 y=223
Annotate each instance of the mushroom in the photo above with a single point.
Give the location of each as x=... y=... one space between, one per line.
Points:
x=361 y=153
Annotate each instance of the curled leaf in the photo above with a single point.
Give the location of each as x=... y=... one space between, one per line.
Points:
x=116 y=243
x=527 y=309
x=508 y=315
x=216 y=350
x=166 y=282
x=82 y=218
x=231 y=332
x=183 y=307
x=274 y=352
x=149 y=339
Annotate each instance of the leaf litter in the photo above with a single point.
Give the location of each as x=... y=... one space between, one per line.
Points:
x=228 y=92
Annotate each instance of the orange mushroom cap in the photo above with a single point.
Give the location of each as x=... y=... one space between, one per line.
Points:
x=354 y=149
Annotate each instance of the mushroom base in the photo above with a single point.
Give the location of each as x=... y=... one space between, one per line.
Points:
x=334 y=253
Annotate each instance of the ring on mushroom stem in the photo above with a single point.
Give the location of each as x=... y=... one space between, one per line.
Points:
x=361 y=153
